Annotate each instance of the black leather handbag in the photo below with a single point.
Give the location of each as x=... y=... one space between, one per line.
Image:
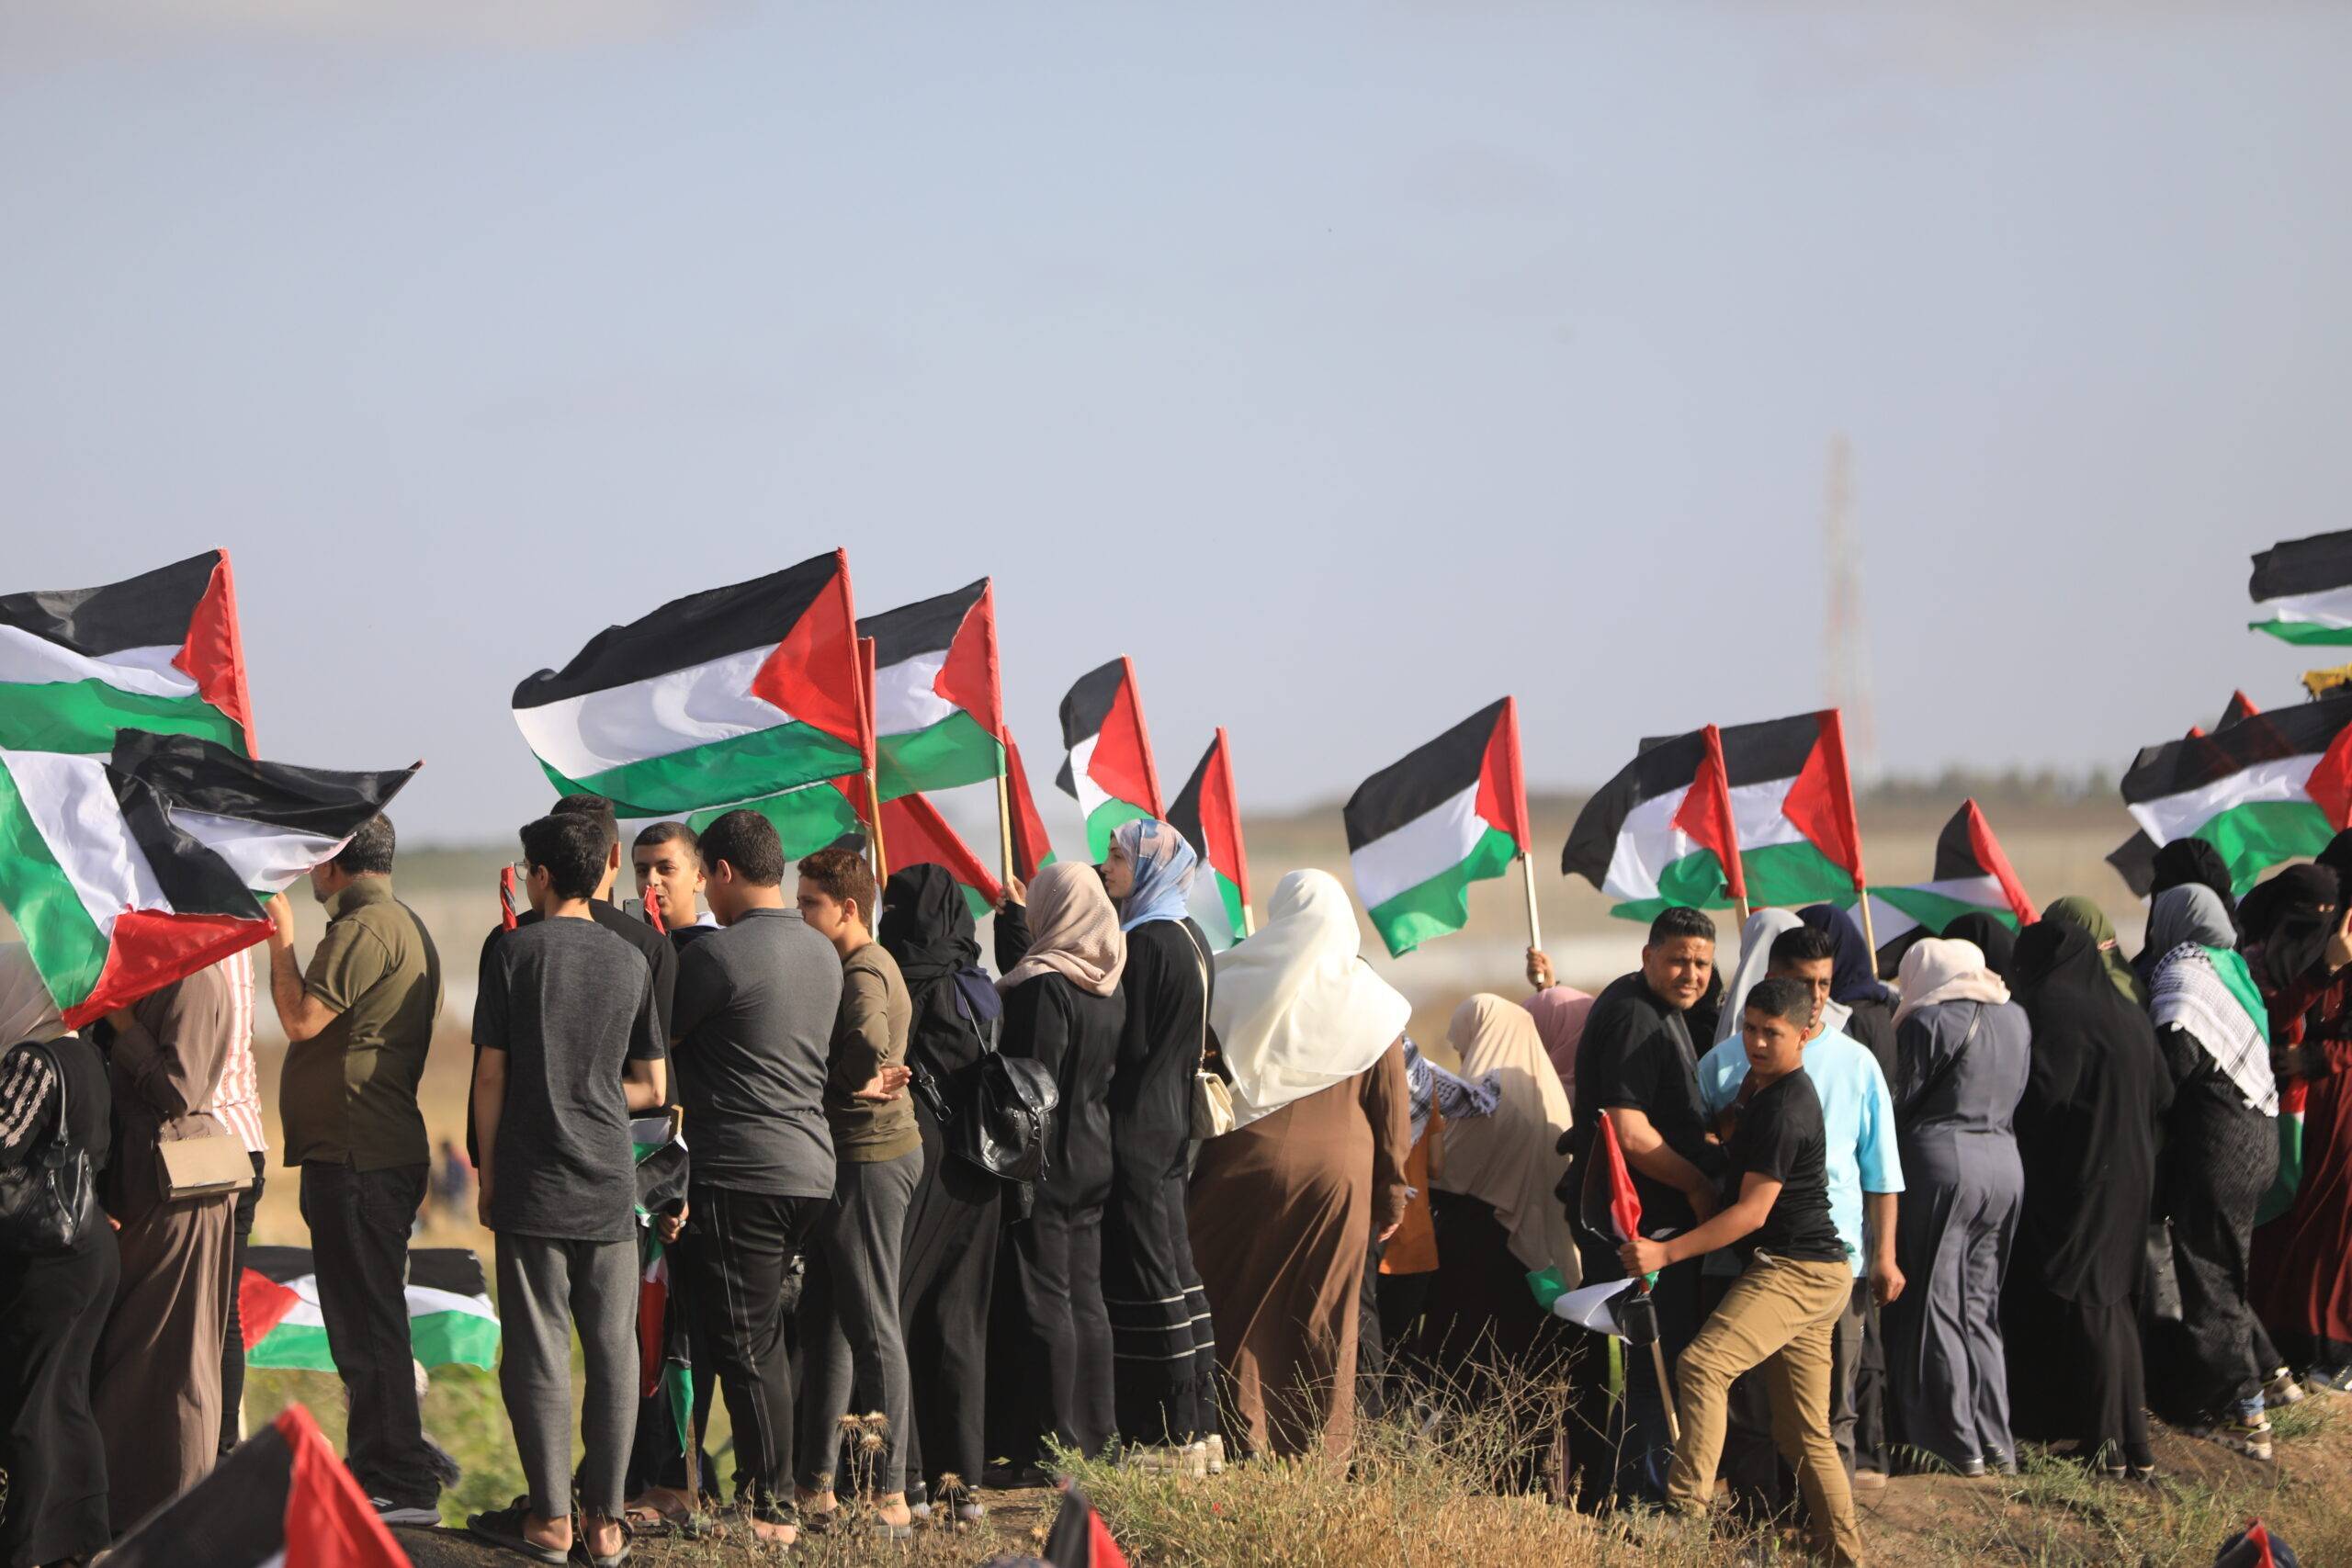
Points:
x=48 y=1203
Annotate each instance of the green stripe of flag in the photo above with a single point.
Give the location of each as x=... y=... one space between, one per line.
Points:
x=1786 y=876
x=1228 y=893
x=66 y=945
x=2309 y=634
x=435 y=1339
x=2254 y=837
x=1934 y=910
x=762 y=762
x=806 y=819
x=954 y=752
x=80 y=717
x=1694 y=882
x=1441 y=905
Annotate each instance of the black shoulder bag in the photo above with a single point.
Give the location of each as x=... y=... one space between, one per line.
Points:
x=48 y=1203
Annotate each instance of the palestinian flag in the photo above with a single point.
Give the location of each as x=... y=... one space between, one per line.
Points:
x=2274 y=786
x=2302 y=589
x=666 y=1360
x=914 y=833
x=1972 y=877
x=1792 y=798
x=1079 y=1538
x=2134 y=859
x=728 y=696
x=158 y=651
x=1209 y=817
x=1660 y=833
x=127 y=872
x=450 y=1320
x=1032 y=848
x=1446 y=815
x=938 y=706
x=1109 y=771
x=281 y=1500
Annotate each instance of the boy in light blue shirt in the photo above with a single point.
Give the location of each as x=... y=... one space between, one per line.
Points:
x=1865 y=1172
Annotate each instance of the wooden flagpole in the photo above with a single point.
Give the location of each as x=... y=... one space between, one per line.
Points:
x=1534 y=928
x=877 y=851
x=1004 y=816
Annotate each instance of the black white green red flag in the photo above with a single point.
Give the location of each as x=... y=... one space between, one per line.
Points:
x=2274 y=786
x=1792 y=799
x=2134 y=859
x=2302 y=589
x=1209 y=816
x=914 y=833
x=1972 y=877
x=127 y=872
x=938 y=706
x=450 y=1319
x=282 y=1499
x=160 y=651
x=1444 y=816
x=1031 y=846
x=1660 y=833
x=1108 y=768
x=722 y=697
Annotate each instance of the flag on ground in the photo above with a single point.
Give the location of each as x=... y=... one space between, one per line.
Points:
x=1209 y=816
x=727 y=695
x=1445 y=815
x=2274 y=786
x=281 y=1500
x=938 y=708
x=1792 y=797
x=1032 y=847
x=2302 y=589
x=158 y=651
x=1108 y=771
x=1971 y=878
x=1079 y=1538
x=127 y=872
x=1660 y=834
x=450 y=1320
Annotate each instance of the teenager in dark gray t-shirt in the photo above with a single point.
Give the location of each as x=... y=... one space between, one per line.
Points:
x=753 y=1019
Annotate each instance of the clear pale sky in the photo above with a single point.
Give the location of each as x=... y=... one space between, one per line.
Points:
x=1348 y=364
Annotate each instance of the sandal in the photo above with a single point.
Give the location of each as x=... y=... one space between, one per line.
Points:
x=503 y=1526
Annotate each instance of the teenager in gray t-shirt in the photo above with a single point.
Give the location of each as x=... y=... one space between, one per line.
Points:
x=753 y=1019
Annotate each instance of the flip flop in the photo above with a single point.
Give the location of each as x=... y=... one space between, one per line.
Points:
x=503 y=1526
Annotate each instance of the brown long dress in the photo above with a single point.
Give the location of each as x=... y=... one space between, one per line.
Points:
x=1282 y=1214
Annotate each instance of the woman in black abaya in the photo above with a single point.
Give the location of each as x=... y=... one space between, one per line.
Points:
x=2086 y=1132
x=949 y=1268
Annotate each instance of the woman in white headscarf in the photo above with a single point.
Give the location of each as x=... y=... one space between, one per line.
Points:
x=1283 y=1211
x=52 y=1308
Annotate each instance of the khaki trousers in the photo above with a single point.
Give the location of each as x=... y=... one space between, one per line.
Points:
x=1780 y=1315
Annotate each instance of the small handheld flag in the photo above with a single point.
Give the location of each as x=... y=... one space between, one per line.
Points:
x=1108 y=769
x=1445 y=815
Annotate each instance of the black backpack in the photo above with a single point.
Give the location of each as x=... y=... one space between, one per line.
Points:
x=995 y=1112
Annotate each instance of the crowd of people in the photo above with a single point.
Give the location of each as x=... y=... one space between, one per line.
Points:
x=1132 y=1196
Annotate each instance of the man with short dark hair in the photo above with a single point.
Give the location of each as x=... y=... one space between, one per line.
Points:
x=752 y=1029
x=669 y=878
x=358 y=1023
x=1635 y=1066
x=1781 y=1312
x=1865 y=1174
x=850 y=1320
x=567 y=1050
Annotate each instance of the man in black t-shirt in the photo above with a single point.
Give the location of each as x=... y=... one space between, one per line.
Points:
x=1781 y=1315
x=566 y=1052
x=1635 y=1066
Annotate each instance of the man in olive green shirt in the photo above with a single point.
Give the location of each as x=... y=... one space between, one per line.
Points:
x=357 y=1024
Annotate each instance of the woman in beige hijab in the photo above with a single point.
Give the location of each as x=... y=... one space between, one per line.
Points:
x=1284 y=1209
x=1062 y=959
x=1500 y=1225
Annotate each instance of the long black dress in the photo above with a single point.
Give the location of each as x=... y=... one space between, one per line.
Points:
x=948 y=1272
x=2085 y=1133
x=1049 y=1335
x=1162 y=1338
x=51 y=1310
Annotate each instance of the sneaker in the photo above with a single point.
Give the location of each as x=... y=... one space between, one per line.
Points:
x=1215 y=1446
x=1867 y=1480
x=2281 y=1388
x=393 y=1513
x=2329 y=1380
x=2251 y=1439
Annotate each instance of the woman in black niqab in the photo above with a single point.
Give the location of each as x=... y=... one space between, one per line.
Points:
x=948 y=1269
x=2086 y=1132
x=1996 y=942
